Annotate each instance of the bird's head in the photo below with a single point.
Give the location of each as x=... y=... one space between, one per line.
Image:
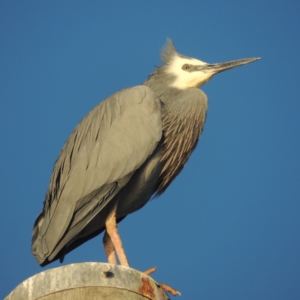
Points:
x=190 y=72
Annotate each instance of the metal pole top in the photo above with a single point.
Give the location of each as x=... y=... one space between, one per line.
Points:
x=90 y=280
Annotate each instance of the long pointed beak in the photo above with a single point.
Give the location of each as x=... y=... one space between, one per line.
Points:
x=220 y=67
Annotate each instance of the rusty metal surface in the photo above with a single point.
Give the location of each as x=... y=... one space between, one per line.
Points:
x=147 y=288
x=88 y=274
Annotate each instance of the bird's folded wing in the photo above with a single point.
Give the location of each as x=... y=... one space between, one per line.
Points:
x=107 y=146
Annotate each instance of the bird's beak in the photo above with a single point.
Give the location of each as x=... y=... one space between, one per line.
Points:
x=220 y=67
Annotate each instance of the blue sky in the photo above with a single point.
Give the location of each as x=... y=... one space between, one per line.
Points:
x=228 y=226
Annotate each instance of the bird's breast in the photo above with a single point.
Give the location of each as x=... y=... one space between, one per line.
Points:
x=141 y=186
x=183 y=122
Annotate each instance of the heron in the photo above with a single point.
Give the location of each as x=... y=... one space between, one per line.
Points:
x=125 y=151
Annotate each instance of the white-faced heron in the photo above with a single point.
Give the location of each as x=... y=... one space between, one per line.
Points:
x=129 y=148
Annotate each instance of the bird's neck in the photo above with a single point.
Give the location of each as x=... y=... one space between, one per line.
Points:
x=183 y=116
x=160 y=83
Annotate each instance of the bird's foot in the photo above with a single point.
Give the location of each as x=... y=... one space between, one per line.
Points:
x=163 y=285
x=150 y=271
x=170 y=289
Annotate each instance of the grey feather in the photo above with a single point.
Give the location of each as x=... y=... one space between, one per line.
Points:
x=168 y=52
x=91 y=168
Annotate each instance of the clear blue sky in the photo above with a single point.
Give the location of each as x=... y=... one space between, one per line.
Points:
x=228 y=227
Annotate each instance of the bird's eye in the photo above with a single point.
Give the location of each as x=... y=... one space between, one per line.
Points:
x=186 y=67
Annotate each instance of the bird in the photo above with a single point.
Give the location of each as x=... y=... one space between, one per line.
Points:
x=124 y=152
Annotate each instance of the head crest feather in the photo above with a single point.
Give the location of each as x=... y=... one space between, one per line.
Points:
x=168 y=52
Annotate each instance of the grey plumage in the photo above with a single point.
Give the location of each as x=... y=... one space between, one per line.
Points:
x=129 y=148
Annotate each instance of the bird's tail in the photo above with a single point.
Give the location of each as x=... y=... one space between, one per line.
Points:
x=38 y=249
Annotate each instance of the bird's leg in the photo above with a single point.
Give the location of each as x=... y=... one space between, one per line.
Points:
x=112 y=243
x=112 y=231
x=150 y=271
x=109 y=249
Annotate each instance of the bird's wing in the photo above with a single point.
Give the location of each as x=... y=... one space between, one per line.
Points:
x=99 y=157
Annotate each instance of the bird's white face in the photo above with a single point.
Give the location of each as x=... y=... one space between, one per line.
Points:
x=184 y=69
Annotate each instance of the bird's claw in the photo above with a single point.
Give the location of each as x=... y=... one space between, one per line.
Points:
x=163 y=285
x=150 y=271
x=170 y=289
